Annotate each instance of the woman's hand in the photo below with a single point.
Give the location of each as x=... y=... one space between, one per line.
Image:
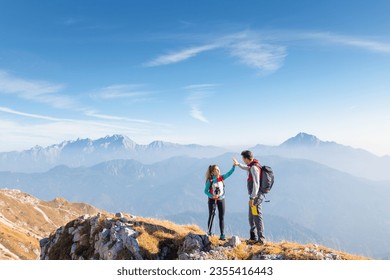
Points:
x=215 y=196
x=235 y=162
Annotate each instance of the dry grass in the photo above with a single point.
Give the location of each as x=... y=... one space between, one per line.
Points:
x=289 y=251
x=155 y=234
x=25 y=213
x=19 y=243
x=297 y=251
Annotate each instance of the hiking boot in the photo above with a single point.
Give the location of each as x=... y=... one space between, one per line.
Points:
x=260 y=242
x=222 y=237
x=253 y=236
x=250 y=242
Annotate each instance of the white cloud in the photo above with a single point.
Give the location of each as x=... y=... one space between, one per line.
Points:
x=44 y=130
x=263 y=50
x=113 y=118
x=196 y=94
x=263 y=57
x=23 y=136
x=37 y=91
x=28 y=115
x=123 y=91
x=200 y=86
x=198 y=115
x=367 y=44
x=115 y=121
x=362 y=43
x=180 y=55
x=246 y=46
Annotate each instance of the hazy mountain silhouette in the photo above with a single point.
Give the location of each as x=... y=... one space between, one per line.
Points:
x=357 y=162
x=87 y=152
x=344 y=211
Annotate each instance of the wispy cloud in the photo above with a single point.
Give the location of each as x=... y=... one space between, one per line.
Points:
x=132 y=91
x=198 y=115
x=263 y=57
x=265 y=51
x=113 y=118
x=201 y=87
x=28 y=115
x=79 y=121
x=181 y=55
x=196 y=94
x=42 y=128
x=362 y=43
x=38 y=91
x=21 y=135
x=246 y=46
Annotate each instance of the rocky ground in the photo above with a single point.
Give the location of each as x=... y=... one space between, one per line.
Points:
x=126 y=237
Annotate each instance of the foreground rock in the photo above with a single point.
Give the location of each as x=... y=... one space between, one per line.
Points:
x=125 y=237
x=93 y=238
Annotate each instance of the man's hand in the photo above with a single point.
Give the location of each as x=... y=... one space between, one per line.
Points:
x=235 y=162
x=251 y=203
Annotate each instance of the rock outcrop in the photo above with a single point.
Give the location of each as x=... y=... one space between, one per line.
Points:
x=100 y=238
x=93 y=238
x=126 y=237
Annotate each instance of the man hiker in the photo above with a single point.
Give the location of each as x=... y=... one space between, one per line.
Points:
x=255 y=196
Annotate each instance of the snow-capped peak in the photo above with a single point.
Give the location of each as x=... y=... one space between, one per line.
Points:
x=302 y=139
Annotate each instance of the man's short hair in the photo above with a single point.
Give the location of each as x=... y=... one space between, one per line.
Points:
x=247 y=154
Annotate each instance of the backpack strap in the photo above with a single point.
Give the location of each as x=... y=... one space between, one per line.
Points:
x=258 y=165
x=219 y=179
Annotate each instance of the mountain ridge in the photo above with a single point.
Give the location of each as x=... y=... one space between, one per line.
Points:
x=87 y=152
x=25 y=219
x=305 y=139
x=355 y=161
x=177 y=184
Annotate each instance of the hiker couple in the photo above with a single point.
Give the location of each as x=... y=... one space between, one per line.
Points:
x=215 y=190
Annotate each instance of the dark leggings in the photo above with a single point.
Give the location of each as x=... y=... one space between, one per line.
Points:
x=221 y=214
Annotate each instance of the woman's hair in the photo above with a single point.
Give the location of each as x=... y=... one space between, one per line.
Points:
x=210 y=171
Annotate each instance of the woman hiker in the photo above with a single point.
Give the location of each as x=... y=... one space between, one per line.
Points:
x=215 y=190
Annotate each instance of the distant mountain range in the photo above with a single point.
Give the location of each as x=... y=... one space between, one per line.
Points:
x=324 y=192
x=87 y=152
x=357 y=162
x=310 y=201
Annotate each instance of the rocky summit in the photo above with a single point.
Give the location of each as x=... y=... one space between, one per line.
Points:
x=122 y=236
x=93 y=238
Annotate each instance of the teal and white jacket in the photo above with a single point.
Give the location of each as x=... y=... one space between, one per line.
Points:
x=214 y=183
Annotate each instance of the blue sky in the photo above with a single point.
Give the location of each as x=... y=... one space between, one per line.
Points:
x=226 y=73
